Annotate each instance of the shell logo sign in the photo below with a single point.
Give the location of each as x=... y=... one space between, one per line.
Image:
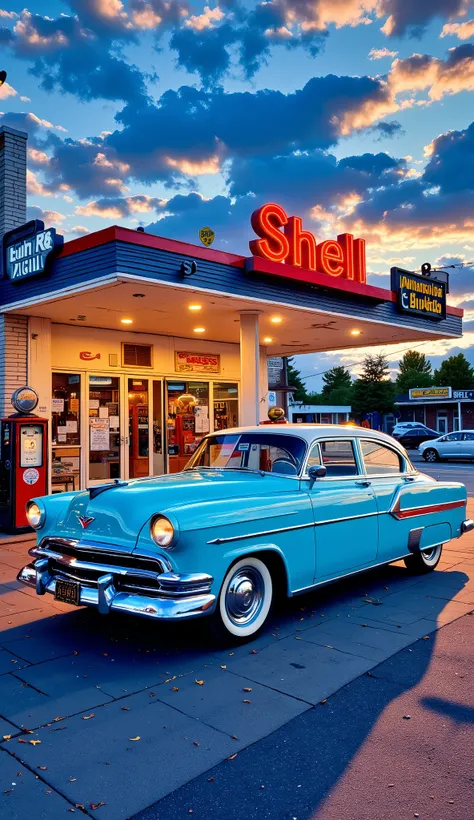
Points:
x=282 y=239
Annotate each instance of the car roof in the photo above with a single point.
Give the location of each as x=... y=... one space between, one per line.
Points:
x=311 y=431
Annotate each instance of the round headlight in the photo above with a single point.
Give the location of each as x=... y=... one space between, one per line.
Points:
x=162 y=531
x=34 y=515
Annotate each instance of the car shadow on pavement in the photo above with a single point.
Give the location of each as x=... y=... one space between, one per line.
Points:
x=78 y=663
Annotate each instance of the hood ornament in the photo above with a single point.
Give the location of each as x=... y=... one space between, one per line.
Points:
x=84 y=521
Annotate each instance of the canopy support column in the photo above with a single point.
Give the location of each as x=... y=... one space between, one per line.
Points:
x=249 y=369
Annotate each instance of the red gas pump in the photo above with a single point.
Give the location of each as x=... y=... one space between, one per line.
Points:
x=23 y=460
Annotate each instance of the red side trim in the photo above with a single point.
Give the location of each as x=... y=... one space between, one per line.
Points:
x=434 y=508
x=258 y=265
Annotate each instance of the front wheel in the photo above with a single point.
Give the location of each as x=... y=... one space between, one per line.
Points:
x=244 y=602
x=424 y=561
x=431 y=455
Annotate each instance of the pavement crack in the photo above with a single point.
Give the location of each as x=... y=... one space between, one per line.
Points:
x=25 y=683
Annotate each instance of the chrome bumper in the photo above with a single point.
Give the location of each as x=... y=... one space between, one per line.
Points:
x=178 y=597
x=467 y=525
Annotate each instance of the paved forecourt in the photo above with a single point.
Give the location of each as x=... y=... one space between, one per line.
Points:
x=111 y=714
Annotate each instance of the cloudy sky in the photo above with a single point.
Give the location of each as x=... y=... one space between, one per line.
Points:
x=355 y=114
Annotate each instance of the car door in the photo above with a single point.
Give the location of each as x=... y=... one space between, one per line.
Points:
x=387 y=470
x=450 y=446
x=344 y=508
x=468 y=445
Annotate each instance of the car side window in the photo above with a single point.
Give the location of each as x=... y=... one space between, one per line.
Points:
x=454 y=437
x=380 y=460
x=468 y=436
x=314 y=458
x=339 y=458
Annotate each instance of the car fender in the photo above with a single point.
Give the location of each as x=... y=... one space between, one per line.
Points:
x=231 y=556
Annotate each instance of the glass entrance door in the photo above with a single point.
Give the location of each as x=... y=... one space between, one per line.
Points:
x=125 y=437
x=105 y=430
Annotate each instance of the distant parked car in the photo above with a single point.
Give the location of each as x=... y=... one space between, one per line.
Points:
x=415 y=436
x=403 y=426
x=452 y=445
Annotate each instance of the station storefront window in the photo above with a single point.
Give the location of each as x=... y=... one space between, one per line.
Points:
x=187 y=421
x=66 y=432
x=226 y=405
x=104 y=428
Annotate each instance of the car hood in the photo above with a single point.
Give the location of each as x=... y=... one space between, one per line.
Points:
x=119 y=514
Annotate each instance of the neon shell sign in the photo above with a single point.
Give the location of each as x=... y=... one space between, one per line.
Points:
x=282 y=239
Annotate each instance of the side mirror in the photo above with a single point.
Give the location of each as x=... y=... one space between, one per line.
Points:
x=314 y=473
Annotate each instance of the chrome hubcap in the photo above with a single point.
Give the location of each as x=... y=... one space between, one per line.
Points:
x=244 y=596
x=431 y=555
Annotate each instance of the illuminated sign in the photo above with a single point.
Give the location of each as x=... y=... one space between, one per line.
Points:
x=419 y=295
x=282 y=239
x=430 y=393
x=463 y=394
x=197 y=363
x=28 y=250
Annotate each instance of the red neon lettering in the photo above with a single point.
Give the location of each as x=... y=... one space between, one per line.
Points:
x=359 y=260
x=302 y=245
x=294 y=246
x=330 y=258
x=346 y=241
x=266 y=222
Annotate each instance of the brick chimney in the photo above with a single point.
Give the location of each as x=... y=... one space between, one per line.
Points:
x=12 y=178
x=13 y=329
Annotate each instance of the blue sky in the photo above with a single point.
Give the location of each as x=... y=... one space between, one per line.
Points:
x=354 y=114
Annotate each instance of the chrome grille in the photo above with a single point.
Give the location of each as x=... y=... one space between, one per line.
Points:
x=86 y=563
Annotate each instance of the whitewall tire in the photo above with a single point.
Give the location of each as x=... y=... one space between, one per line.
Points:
x=424 y=561
x=245 y=600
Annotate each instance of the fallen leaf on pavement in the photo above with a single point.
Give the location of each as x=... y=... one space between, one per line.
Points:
x=234 y=737
x=79 y=806
x=34 y=742
x=175 y=688
x=247 y=701
x=391 y=785
x=20 y=740
x=72 y=779
x=88 y=717
x=232 y=757
x=6 y=737
x=323 y=701
x=210 y=779
x=224 y=667
x=95 y=806
x=200 y=682
x=43 y=768
x=253 y=652
x=406 y=717
x=125 y=708
x=247 y=689
x=196 y=742
x=134 y=738
x=426 y=637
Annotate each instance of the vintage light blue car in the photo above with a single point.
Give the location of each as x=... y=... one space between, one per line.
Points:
x=259 y=512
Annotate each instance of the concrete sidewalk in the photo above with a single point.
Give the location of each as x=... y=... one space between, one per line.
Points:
x=117 y=712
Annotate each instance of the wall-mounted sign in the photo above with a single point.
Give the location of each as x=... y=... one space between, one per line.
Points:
x=282 y=239
x=276 y=371
x=197 y=363
x=419 y=295
x=207 y=236
x=24 y=400
x=467 y=395
x=430 y=393
x=29 y=250
x=86 y=356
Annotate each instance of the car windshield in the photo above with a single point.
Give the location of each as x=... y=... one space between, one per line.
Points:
x=267 y=452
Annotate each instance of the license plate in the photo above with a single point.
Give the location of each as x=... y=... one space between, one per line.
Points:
x=69 y=592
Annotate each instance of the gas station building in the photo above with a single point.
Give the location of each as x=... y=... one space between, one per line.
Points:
x=138 y=345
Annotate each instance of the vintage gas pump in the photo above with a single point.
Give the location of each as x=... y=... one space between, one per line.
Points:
x=23 y=460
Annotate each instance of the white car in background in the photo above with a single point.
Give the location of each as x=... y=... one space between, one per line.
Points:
x=403 y=426
x=451 y=445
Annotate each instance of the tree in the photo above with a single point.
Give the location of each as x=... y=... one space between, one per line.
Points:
x=373 y=391
x=415 y=371
x=455 y=372
x=335 y=378
x=295 y=380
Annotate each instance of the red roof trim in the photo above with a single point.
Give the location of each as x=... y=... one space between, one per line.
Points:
x=148 y=240
x=259 y=265
x=117 y=234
